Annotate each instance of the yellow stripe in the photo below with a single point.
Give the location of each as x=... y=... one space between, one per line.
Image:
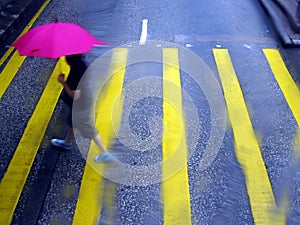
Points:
x=9 y=72
x=29 y=25
x=285 y=81
x=110 y=103
x=175 y=190
x=292 y=95
x=246 y=145
x=89 y=202
x=15 y=177
x=288 y=87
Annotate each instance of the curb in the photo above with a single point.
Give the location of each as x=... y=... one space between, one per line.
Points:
x=283 y=14
x=292 y=10
x=14 y=17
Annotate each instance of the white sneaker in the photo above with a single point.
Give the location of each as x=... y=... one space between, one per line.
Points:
x=61 y=143
x=103 y=158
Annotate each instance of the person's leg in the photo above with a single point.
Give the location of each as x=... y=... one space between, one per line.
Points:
x=65 y=143
x=97 y=140
x=105 y=154
x=69 y=136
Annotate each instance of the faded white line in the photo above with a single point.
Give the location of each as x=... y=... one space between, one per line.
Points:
x=144 y=32
x=191 y=39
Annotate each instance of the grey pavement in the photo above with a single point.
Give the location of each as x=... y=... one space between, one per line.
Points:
x=213 y=200
x=285 y=15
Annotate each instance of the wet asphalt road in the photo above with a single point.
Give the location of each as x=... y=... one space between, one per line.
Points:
x=218 y=193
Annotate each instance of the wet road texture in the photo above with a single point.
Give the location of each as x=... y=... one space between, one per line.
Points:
x=196 y=103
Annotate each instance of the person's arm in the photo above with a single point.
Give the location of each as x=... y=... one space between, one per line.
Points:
x=73 y=94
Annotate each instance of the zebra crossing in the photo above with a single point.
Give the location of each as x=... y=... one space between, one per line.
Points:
x=175 y=191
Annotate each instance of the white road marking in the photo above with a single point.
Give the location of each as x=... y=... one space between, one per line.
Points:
x=144 y=32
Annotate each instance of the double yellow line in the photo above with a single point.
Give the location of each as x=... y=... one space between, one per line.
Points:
x=17 y=172
x=11 y=69
x=12 y=183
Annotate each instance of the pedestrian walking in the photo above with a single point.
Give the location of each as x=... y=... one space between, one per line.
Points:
x=71 y=93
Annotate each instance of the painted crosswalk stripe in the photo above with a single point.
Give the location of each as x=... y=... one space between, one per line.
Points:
x=285 y=81
x=17 y=172
x=175 y=190
x=29 y=25
x=292 y=95
x=288 y=86
x=90 y=198
x=246 y=145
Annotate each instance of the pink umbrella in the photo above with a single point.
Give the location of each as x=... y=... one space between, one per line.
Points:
x=57 y=39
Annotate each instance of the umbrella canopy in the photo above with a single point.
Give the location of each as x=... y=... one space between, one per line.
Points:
x=54 y=40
